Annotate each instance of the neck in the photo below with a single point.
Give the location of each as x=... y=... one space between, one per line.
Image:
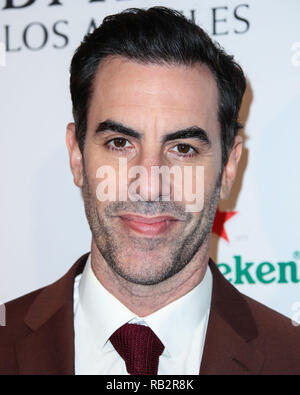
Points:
x=143 y=300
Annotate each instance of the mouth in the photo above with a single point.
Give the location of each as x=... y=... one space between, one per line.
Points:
x=149 y=226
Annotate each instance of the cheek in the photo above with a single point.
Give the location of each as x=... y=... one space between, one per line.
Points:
x=91 y=168
x=213 y=166
x=211 y=175
x=92 y=164
x=102 y=177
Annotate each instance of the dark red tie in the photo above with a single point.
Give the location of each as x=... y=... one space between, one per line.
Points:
x=139 y=347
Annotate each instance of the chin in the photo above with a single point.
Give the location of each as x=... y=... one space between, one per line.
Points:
x=147 y=274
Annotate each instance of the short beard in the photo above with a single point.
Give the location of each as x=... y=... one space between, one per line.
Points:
x=184 y=249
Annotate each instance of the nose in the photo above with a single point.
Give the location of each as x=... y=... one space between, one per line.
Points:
x=148 y=179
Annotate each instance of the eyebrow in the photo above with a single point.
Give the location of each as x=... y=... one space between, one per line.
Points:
x=190 y=132
x=113 y=126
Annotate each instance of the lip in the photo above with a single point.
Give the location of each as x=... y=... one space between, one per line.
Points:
x=148 y=220
x=148 y=226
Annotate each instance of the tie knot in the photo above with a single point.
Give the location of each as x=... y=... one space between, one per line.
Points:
x=139 y=347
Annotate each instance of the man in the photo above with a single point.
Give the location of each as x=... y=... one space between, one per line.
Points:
x=150 y=90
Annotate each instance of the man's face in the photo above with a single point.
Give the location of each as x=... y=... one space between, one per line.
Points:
x=135 y=113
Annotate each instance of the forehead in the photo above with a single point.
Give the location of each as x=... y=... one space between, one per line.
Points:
x=128 y=91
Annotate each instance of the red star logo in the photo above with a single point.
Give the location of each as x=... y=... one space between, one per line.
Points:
x=220 y=219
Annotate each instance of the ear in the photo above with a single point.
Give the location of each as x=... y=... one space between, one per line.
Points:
x=74 y=155
x=230 y=168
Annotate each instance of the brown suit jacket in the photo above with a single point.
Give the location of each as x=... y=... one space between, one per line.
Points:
x=243 y=336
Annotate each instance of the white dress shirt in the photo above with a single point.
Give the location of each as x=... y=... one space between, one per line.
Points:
x=181 y=327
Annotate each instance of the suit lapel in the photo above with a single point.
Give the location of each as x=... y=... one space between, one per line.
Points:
x=49 y=346
x=49 y=350
x=231 y=328
x=227 y=353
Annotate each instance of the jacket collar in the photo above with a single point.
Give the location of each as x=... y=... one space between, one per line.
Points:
x=49 y=347
x=231 y=329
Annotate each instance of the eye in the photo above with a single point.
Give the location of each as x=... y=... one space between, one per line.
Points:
x=118 y=144
x=185 y=150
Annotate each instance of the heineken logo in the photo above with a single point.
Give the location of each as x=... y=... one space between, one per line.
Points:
x=243 y=271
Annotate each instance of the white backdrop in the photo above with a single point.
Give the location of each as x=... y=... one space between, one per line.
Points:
x=43 y=228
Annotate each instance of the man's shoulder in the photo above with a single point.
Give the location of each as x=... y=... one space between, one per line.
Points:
x=242 y=308
x=17 y=310
x=272 y=323
x=14 y=313
x=27 y=314
x=264 y=312
x=256 y=332
x=278 y=339
x=13 y=329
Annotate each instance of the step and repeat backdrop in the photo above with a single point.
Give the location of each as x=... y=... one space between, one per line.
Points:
x=43 y=230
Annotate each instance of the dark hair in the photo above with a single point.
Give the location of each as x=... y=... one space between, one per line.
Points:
x=157 y=35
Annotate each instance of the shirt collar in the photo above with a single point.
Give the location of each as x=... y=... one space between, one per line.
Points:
x=104 y=313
